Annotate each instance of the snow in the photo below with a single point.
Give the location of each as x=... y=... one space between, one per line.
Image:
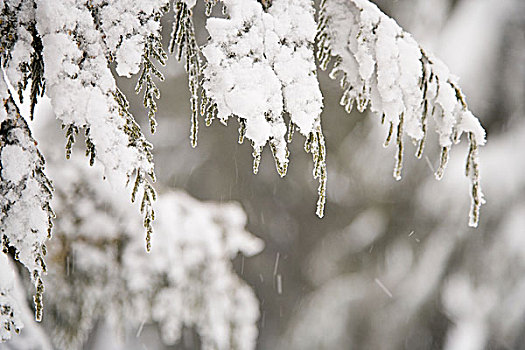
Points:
x=81 y=90
x=129 y=57
x=270 y=54
x=126 y=25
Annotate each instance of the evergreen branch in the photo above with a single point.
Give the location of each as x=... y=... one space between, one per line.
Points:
x=152 y=50
x=183 y=41
x=26 y=192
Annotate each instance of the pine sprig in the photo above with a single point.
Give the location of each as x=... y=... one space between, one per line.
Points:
x=183 y=42
x=136 y=138
x=152 y=51
x=71 y=133
x=146 y=208
x=36 y=71
x=143 y=181
x=91 y=152
x=8 y=32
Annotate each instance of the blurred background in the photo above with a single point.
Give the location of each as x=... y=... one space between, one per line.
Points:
x=392 y=265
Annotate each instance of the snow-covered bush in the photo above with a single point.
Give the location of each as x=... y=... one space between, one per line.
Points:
x=257 y=66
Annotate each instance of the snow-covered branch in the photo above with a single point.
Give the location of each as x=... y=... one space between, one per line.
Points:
x=260 y=69
x=382 y=66
x=84 y=94
x=25 y=193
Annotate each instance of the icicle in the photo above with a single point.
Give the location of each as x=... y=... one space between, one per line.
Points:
x=209 y=6
x=194 y=128
x=345 y=98
x=343 y=83
x=211 y=113
x=335 y=69
x=421 y=145
x=224 y=121
x=424 y=114
x=205 y=101
x=363 y=98
x=308 y=143
x=38 y=299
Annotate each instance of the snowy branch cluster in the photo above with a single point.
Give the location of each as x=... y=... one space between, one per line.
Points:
x=382 y=66
x=99 y=271
x=259 y=67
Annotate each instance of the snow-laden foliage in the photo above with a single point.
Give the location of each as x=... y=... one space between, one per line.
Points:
x=99 y=269
x=9 y=314
x=25 y=192
x=383 y=67
x=260 y=68
x=78 y=43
